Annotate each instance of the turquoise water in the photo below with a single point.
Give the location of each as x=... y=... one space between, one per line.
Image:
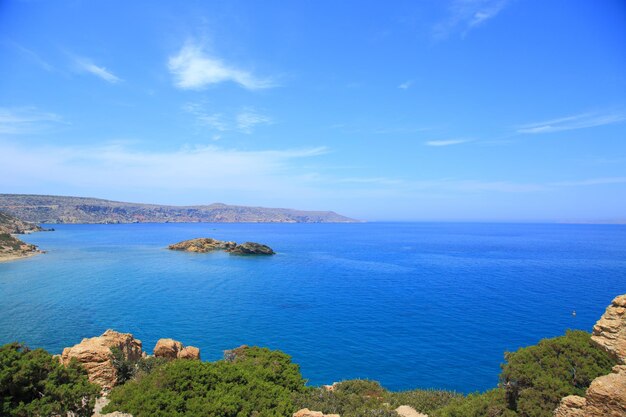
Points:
x=409 y=304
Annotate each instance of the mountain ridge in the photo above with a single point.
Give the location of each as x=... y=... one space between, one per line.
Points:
x=69 y=209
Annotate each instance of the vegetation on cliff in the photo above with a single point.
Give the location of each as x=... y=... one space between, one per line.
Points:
x=253 y=381
x=34 y=383
x=535 y=378
x=249 y=382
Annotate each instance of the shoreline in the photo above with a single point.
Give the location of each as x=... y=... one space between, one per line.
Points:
x=14 y=257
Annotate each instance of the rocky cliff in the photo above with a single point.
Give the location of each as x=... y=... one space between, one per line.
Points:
x=606 y=396
x=60 y=209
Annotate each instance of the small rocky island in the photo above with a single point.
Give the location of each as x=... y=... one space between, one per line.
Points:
x=205 y=245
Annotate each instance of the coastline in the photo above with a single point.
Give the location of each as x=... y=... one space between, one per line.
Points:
x=14 y=257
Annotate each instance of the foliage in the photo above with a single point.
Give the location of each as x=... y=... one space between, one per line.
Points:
x=354 y=398
x=255 y=382
x=424 y=401
x=34 y=383
x=490 y=404
x=536 y=378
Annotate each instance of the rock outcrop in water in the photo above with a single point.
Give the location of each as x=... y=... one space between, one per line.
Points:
x=95 y=355
x=606 y=396
x=204 y=245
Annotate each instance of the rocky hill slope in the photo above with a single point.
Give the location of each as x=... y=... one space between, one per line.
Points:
x=60 y=209
x=10 y=246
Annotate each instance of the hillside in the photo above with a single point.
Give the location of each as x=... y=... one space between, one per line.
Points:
x=10 y=246
x=60 y=209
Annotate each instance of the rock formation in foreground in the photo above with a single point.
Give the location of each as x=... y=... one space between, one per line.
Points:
x=408 y=411
x=173 y=349
x=204 y=245
x=609 y=333
x=95 y=354
x=305 y=412
x=606 y=396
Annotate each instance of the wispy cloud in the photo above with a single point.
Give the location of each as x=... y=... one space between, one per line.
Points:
x=191 y=167
x=577 y=121
x=32 y=56
x=465 y=15
x=194 y=69
x=591 y=181
x=86 y=65
x=447 y=142
x=23 y=120
x=406 y=85
x=244 y=121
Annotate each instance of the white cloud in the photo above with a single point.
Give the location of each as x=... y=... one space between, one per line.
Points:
x=96 y=168
x=465 y=15
x=249 y=118
x=22 y=120
x=194 y=69
x=447 y=142
x=244 y=121
x=406 y=85
x=86 y=65
x=578 y=121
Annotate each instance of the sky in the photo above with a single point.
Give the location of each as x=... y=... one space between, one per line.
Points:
x=440 y=110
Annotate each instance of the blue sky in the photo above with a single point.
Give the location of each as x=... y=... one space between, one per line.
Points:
x=407 y=110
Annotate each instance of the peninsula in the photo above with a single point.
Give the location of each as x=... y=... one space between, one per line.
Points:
x=61 y=209
x=11 y=247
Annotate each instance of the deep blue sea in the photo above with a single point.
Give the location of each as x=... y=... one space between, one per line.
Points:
x=412 y=305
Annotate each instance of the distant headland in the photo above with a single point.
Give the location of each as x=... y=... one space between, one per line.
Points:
x=62 y=209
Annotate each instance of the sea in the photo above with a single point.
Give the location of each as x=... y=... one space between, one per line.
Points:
x=411 y=305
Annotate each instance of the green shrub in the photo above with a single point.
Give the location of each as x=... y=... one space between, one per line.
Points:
x=490 y=404
x=424 y=401
x=537 y=377
x=354 y=398
x=256 y=382
x=34 y=383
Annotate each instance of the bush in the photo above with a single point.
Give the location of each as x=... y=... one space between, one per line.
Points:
x=535 y=379
x=256 y=382
x=354 y=398
x=424 y=401
x=34 y=383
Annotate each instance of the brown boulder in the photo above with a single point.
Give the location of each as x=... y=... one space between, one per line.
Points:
x=167 y=348
x=189 y=352
x=95 y=355
x=609 y=333
x=605 y=397
x=173 y=349
x=408 y=411
x=305 y=412
x=571 y=406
